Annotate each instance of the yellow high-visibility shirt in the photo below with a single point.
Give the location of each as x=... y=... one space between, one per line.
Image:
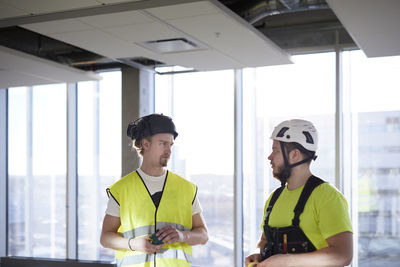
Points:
x=325 y=213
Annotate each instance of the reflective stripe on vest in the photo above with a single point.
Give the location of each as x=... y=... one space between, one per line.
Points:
x=144 y=230
x=140 y=217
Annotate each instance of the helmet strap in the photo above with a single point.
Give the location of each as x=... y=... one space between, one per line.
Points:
x=300 y=162
x=285 y=160
x=288 y=167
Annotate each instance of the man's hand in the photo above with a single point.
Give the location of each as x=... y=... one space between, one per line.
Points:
x=143 y=244
x=170 y=235
x=256 y=257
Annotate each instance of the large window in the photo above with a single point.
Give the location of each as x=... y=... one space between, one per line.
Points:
x=99 y=158
x=37 y=166
x=203 y=152
x=37 y=171
x=374 y=120
x=303 y=90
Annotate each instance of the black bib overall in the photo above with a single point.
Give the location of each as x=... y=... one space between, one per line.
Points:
x=290 y=239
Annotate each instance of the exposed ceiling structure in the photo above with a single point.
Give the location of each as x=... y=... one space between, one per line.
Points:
x=83 y=35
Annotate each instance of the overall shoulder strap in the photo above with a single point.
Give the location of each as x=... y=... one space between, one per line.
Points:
x=271 y=203
x=311 y=183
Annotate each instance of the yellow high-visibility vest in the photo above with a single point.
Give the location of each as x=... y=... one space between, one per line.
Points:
x=140 y=217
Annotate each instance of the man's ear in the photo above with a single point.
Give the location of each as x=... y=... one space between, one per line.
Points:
x=295 y=155
x=145 y=143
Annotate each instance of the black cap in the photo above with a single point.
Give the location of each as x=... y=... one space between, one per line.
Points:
x=150 y=125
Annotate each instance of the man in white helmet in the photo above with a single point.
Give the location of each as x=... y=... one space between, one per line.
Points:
x=306 y=221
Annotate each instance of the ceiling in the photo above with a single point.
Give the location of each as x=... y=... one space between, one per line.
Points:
x=81 y=36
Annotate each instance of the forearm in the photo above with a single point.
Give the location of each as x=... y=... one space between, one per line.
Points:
x=328 y=256
x=114 y=241
x=322 y=258
x=196 y=236
x=339 y=252
x=261 y=243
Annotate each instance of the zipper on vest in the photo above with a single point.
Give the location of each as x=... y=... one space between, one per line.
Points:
x=155 y=229
x=155 y=214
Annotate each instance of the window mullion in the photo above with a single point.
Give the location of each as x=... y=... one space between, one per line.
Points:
x=238 y=163
x=3 y=171
x=29 y=201
x=72 y=189
x=338 y=122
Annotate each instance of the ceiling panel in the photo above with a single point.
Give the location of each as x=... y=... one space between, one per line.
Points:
x=45 y=6
x=15 y=79
x=374 y=25
x=20 y=69
x=232 y=38
x=229 y=40
x=204 y=60
x=116 y=1
x=96 y=41
x=116 y=19
x=144 y=32
x=58 y=26
x=183 y=10
x=102 y=43
x=7 y=11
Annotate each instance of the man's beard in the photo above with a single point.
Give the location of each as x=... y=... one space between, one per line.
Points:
x=282 y=174
x=164 y=161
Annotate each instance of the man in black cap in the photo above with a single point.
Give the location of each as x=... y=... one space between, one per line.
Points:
x=153 y=216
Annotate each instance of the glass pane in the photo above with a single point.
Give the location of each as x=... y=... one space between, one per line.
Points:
x=255 y=172
x=38 y=171
x=203 y=152
x=375 y=124
x=303 y=90
x=99 y=158
x=17 y=169
x=163 y=93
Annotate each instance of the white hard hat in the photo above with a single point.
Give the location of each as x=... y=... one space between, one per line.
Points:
x=299 y=131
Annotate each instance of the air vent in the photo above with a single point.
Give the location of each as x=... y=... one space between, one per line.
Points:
x=172 y=45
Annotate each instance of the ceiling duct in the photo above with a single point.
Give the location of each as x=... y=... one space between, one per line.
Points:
x=255 y=11
x=290 y=4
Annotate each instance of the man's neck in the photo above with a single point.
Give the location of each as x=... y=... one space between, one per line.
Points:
x=152 y=170
x=298 y=177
